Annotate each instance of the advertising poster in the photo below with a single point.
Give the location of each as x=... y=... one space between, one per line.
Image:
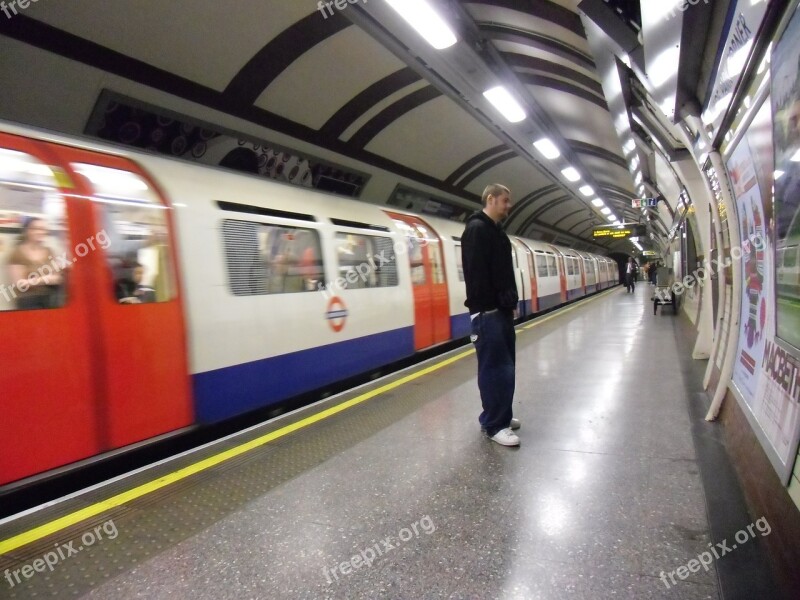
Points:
x=754 y=262
x=785 y=82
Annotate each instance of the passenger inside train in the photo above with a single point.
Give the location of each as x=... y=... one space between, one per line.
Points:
x=37 y=286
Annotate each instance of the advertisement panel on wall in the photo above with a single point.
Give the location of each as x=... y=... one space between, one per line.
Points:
x=786 y=140
x=765 y=374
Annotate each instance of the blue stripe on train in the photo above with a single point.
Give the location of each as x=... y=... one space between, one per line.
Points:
x=231 y=391
x=460 y=326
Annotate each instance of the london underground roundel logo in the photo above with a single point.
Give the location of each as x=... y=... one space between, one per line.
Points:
x=336 y=314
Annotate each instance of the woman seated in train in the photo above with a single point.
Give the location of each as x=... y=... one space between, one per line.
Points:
x=35 y=282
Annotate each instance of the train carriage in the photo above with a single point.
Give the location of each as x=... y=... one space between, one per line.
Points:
x=176 y=295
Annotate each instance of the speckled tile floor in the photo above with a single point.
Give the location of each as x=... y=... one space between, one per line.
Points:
x=603 y=495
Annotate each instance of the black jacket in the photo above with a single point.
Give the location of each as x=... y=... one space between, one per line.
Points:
x=488 y=266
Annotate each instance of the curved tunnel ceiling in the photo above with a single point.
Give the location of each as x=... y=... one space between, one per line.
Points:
x=354 y=82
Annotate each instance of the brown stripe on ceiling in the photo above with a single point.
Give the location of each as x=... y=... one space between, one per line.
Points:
x=562 y=86
x=475 y=160
x=568 y=215
x=497 y=31
x=489 y=164
x=52 y=39
x=390 y=114
x=553 y=231
x=289 y=45
x=520 y=206
x=361 y=103
x=550 y=205
x=543 y=9
x=597 y=151
x=523 y=61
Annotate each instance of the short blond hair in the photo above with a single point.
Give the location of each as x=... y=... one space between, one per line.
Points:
x=494 y=189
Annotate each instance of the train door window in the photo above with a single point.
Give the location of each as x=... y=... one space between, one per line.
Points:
x=365 y=261
x=134 y=235
x=552 y=269
x=415 y=257
x=34 y=245
x=437 y=262
x=790 y=257
x=459 y=263
x=263 y=258
x=541 y=265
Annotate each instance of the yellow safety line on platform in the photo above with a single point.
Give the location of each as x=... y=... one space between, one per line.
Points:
x=52 y=527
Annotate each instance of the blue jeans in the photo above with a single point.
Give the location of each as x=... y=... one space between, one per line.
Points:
x=494 y=339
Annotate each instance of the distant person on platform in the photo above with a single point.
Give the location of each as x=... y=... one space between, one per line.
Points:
x=492 y=299
x=630 y=276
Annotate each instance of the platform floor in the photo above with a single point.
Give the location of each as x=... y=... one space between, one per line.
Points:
x=617 y=479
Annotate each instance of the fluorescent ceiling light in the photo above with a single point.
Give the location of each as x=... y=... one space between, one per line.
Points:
x=547 y=148
x=505 y=103
x=586 y=190
x=778 y=174
x=597 y=202
x=571 y=174
x=605 y=210
x=426 y=21
x=795 y=157
x=612 y=218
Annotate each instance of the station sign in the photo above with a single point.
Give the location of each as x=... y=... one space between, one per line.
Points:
x=646 y=203
x=616 y=232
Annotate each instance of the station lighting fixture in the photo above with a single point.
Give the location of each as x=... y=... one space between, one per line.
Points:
x=778 y=174
x=598 y=202
x=795 y=157
x=426 y=21
x=571 y=174
x=629 y=146
x=547 y=148
x=586 y=190
x=638 y=178
x=504 y=102
x=605 y=210
x=611 y=218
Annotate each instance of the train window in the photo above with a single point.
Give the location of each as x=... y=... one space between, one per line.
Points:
x=136 y=235
x=365 y=261
x=271 y=259
x=552 y=269
x=790 y=256
x=415 y=241
x=459 y=262
x=541 y=264
x=437 y=264
x=34 y=245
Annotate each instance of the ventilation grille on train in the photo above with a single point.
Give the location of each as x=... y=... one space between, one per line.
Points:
x=247 y=273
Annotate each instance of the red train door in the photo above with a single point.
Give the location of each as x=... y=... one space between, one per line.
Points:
x=137 y=314
x=46 y=365
x=431 y=300
x=562 y=274
x=532 y=271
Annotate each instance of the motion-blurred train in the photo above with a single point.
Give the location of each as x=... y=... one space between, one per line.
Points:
x=170 y=296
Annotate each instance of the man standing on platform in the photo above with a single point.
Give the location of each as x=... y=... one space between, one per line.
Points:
x=492 y=299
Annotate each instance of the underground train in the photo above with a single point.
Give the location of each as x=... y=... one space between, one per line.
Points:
x=168 y=295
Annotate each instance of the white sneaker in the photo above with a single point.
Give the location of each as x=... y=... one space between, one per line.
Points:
x=515 y=424
x=505 y=437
